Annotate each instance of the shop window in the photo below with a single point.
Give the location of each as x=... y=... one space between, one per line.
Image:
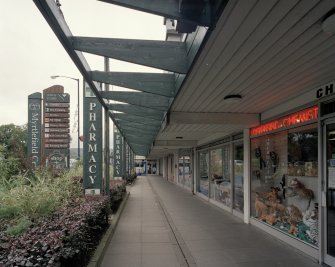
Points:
x=203 y=173
x=181 y=170
x=216 y=170
x=187 y=171
x=220 y=175
x=284 y=181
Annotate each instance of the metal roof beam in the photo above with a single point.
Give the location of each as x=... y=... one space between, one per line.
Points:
x=196 y=13
x=165 y=55
x=137 y=110
x=139 y=98
x=54 y=16
x=154 y=83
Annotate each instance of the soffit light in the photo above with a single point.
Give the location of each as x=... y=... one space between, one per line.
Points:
x=232 y=98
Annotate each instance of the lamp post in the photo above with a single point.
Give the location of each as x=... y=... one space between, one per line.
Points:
x=61 y=76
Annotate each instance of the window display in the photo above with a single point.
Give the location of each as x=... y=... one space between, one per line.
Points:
x=284 y=182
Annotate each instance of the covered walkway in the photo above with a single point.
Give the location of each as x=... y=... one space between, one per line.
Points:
x=163 y=225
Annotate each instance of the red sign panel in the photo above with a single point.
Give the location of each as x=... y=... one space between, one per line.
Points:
x=57 y=125
x=57 y=115
x=57 y=105
x=56 y=135
x=56 y=120
x=57 y=110
x=53 y=141
x=287 y=121
x=57 y=130
x=56 y=145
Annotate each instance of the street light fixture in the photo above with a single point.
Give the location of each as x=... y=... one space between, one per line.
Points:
x=61 y=76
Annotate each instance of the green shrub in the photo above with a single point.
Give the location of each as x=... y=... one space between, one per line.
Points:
x=21 y=226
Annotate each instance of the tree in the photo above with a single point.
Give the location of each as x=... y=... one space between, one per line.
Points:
x=13 y=144
x=14 y=140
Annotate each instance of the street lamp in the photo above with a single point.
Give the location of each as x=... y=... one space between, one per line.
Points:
x=61 y=76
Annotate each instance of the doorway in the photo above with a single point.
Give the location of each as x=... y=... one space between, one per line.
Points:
x=329 y=192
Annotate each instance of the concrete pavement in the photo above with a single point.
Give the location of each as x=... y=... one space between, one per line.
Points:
x=164 y=225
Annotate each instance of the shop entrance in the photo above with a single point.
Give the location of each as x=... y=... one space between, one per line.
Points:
x=329 y=193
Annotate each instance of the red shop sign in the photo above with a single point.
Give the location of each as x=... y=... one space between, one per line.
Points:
x=287 y=121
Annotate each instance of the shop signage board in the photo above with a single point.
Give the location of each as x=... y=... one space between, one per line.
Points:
x=118 y=153
x=92 y=143
x=34 y=129
x=287 y=121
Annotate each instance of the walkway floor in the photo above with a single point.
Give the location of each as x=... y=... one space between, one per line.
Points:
x=163 y=225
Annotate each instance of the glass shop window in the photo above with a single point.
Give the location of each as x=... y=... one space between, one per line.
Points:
x=220 y=184
x=203 y=172
x=216 y=170
x=284 y=182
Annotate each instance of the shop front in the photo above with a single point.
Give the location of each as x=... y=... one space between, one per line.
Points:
x=327 y=130
x=284 y=173
x=220 y=174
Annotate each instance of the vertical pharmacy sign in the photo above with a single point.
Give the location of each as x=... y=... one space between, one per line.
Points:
x=34 y=129
x=92 y=143
x=118 y=155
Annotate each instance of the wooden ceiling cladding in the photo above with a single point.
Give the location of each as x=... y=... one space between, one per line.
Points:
x=267 y=51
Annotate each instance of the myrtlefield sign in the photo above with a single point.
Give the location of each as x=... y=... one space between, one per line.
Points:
x=92 y=143
x=34 y=129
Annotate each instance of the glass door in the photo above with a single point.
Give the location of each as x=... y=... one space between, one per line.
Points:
x=329 y=192
x=238 y=198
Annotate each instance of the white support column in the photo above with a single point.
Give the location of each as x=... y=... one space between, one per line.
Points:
x=246 y=174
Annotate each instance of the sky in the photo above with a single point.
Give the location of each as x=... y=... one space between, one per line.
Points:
x=30 y=52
